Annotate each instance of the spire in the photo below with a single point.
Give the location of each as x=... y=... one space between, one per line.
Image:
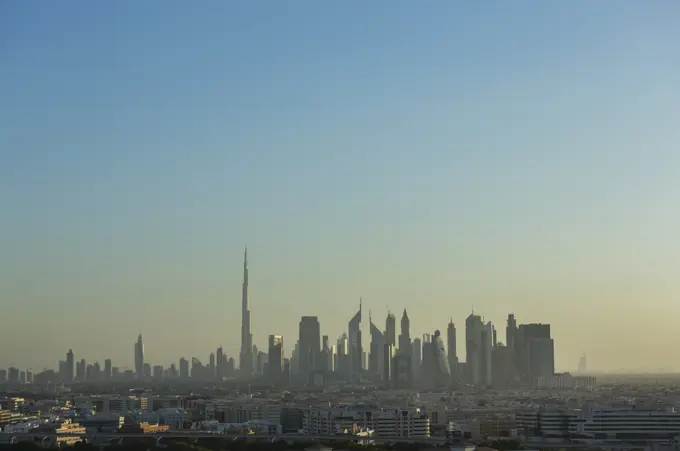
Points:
x=405 y=315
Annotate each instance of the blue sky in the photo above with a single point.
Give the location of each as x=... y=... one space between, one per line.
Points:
x=516 y=156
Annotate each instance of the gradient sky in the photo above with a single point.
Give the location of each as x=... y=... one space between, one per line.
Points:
x=437 y=155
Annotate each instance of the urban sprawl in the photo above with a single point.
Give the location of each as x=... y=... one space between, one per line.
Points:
x=397 y=389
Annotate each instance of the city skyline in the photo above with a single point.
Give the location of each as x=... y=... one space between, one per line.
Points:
x=519 y=158
x=246 y=338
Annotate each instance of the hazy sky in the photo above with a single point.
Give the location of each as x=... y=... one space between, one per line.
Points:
x=516 y=156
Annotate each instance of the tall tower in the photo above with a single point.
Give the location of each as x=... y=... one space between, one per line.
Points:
x=355 y=347
x=309 y=349
x=391 y=330
x=377 y=347
x=139 y=358
x=70 y=366
x=451 y=347
x=405 y=337
x=246 y=356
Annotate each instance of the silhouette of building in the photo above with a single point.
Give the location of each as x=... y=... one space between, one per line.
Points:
x=391 y=330
x=451 y=348
x=139 y=357
x=70 y=366
x=355 y=345
x=246 y=354
x=375 y=360
x=275 y=363
x=309 y=347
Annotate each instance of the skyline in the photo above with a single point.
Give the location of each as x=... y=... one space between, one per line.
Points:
x=519 y=158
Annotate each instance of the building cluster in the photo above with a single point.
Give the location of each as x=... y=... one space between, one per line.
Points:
x=400 y=361
x=389 y=358
x=597 y=416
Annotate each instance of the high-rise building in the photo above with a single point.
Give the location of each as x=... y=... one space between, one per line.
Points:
x=220 y=364
x=212 y=365
x=435 y=371
x=391 y=330
x=309 y=347
x=332 y=358
x=13 y=374
x=478 y=347
x=275 y=364
x=343 y=365
x=526 y=332
x=473 y=338
x=81 y=370
x=108 y=371
x=377 y=347
x=512 y=368
x=70 y=366
x=388 y=363
x=451 y=348
x=139 y=357
x=416 y=359
x=246 y=355
x=183 y=368
x=262 y=362
x=325 y=356
x=355 y=346
x=405 y=336
x=487 y=354
x=541 y=357
x=499 y=357
x=583 y=364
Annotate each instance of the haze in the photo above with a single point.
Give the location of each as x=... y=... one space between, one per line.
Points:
x=435 y=156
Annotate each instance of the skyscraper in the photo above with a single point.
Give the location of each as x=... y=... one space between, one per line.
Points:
x=325 y=357
x=183 y=368
x=391 y=330
x=246 y=356
x=512 y=362
x=139 y=357
x=309 y=346
x=343 y=365
x=451 y=348
x=220 y=363
x=70 y=366
x=108 y=372
x=435 y=371
x=525 y=333
x=213 y=365
x=583 y=364
x=473 y=348
x=405 y=336
x=275 y=365
x=416 y=358
x=377 y=348
x=355 y=347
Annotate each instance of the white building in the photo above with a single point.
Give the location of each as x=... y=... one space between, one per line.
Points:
x=628 y=424
x=566 y=381
x=388 y=422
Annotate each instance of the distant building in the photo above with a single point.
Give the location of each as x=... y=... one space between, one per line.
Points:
x=139 y=357
x=309 y=346
x=275 y=366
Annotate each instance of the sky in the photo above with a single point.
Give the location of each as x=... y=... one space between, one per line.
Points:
x=436 y=156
